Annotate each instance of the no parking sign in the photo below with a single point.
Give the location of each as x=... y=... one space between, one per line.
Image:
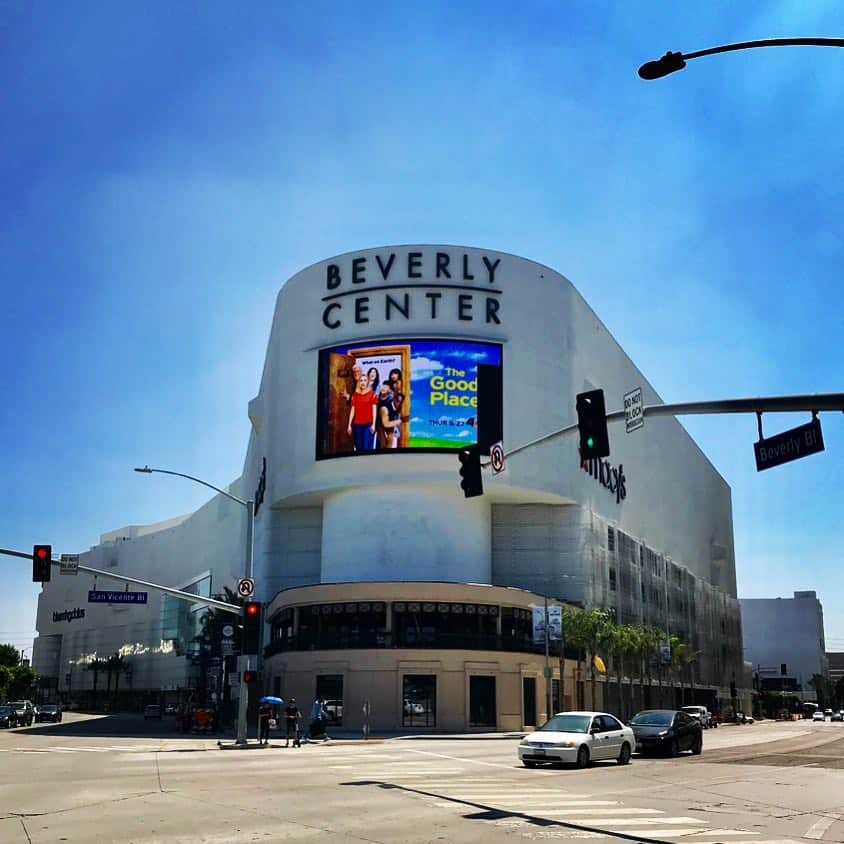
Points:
x=496 y=458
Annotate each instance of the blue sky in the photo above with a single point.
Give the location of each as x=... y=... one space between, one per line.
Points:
x=165 y=167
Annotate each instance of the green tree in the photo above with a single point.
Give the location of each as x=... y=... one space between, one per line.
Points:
x=21 y=683
x=575 y=635
x=5 y=681
x=10 y=656
x=116 y=665
x=96 y=666
x=820 y=685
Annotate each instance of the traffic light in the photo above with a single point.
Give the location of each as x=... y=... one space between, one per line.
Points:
x=250 y=676
x=470 y=471
x=592 y=422
x=251 y=640
x=41 y=556
x=733 y=691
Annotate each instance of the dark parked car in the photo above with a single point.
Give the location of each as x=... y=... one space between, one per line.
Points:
x=666 y=731
x=49 y=712
x=152 y=710
x=8 y=717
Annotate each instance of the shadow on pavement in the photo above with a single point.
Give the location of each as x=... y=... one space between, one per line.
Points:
x=119 y=725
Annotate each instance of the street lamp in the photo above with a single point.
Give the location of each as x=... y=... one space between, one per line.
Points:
x=243 y=661
x=672 y=62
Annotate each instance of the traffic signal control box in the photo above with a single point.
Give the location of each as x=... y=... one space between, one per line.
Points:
x=592 y=425
x=41 y=565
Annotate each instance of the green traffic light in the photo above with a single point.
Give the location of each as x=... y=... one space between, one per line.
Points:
x=590 y=442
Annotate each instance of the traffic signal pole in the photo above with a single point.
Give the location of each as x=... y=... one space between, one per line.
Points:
x=123 y=578
x=811 y=402
x=243 y=659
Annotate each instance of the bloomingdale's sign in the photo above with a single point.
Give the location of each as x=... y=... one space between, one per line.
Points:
x=404 y=285
x=69 y=615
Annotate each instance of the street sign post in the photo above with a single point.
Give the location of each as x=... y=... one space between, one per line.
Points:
x=789 y=445
x=69 y=564
x=634 y=418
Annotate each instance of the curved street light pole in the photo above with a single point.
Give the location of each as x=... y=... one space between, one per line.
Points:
x=672 y=62
x=243 y=660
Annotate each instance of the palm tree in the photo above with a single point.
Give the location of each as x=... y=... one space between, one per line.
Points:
x=679 y=660
x=647 y=641
x=96 y=665
x=117 y=663
x=574 y=634
x=595 y=624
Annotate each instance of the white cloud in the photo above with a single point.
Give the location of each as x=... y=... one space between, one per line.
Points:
x=422 y=368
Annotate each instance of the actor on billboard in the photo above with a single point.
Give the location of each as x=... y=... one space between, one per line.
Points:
x=389 y=418
x=362 y=415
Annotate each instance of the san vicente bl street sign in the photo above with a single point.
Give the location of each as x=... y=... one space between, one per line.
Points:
x=789 y=445
x=102 y=596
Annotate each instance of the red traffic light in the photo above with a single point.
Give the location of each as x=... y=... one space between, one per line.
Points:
x=41 y=563
x=250 y=676
x=252 y=608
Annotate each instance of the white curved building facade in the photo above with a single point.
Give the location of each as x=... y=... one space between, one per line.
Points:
x=347 y=516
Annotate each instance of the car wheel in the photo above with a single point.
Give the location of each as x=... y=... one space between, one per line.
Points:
x=582 y=756
x=674 y=749
x=528 y=763
x=624 y=756
x=697 y=746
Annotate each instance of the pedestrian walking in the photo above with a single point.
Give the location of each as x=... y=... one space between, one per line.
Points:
x=291 y=722
x=265 y=712
x=319 y=719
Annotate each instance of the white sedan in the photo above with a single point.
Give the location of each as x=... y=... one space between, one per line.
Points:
x=578 y=738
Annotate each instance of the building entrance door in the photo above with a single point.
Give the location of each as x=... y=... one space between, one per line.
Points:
x=330 y=688
x=529 y=701
x=482 y=712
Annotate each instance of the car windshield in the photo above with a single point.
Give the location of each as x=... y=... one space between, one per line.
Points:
x=48 y=708
x=567 y=724
x=5 y=710
x=653 y=718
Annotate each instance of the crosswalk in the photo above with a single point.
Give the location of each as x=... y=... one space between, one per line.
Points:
x=534 y=809
x=61 y=749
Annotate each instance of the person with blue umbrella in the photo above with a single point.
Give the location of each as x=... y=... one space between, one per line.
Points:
x=265 y=713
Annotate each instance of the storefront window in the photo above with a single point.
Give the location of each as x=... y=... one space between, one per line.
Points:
x=419 y=693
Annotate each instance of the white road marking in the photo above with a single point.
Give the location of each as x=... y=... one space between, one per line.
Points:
x=817 y=829
x=634 y=821
x=461 y=759
x=514 y=808
x=601 y=811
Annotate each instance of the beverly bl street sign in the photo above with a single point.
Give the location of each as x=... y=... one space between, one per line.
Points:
x=789 y=445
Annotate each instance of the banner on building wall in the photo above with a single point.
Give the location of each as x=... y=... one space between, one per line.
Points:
x=555 y=624
x=411 y=395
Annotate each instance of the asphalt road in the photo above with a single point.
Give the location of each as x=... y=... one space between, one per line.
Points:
x=82 y=782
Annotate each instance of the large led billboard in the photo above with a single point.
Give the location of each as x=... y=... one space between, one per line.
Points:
x=408 y=395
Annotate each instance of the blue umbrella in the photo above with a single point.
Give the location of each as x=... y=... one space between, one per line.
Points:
x=270 y=699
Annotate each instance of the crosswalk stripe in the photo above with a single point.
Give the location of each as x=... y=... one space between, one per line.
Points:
x=705 y=833
x=816 y=830
x=602 y=811
x=645 y=821
x=517 y=807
